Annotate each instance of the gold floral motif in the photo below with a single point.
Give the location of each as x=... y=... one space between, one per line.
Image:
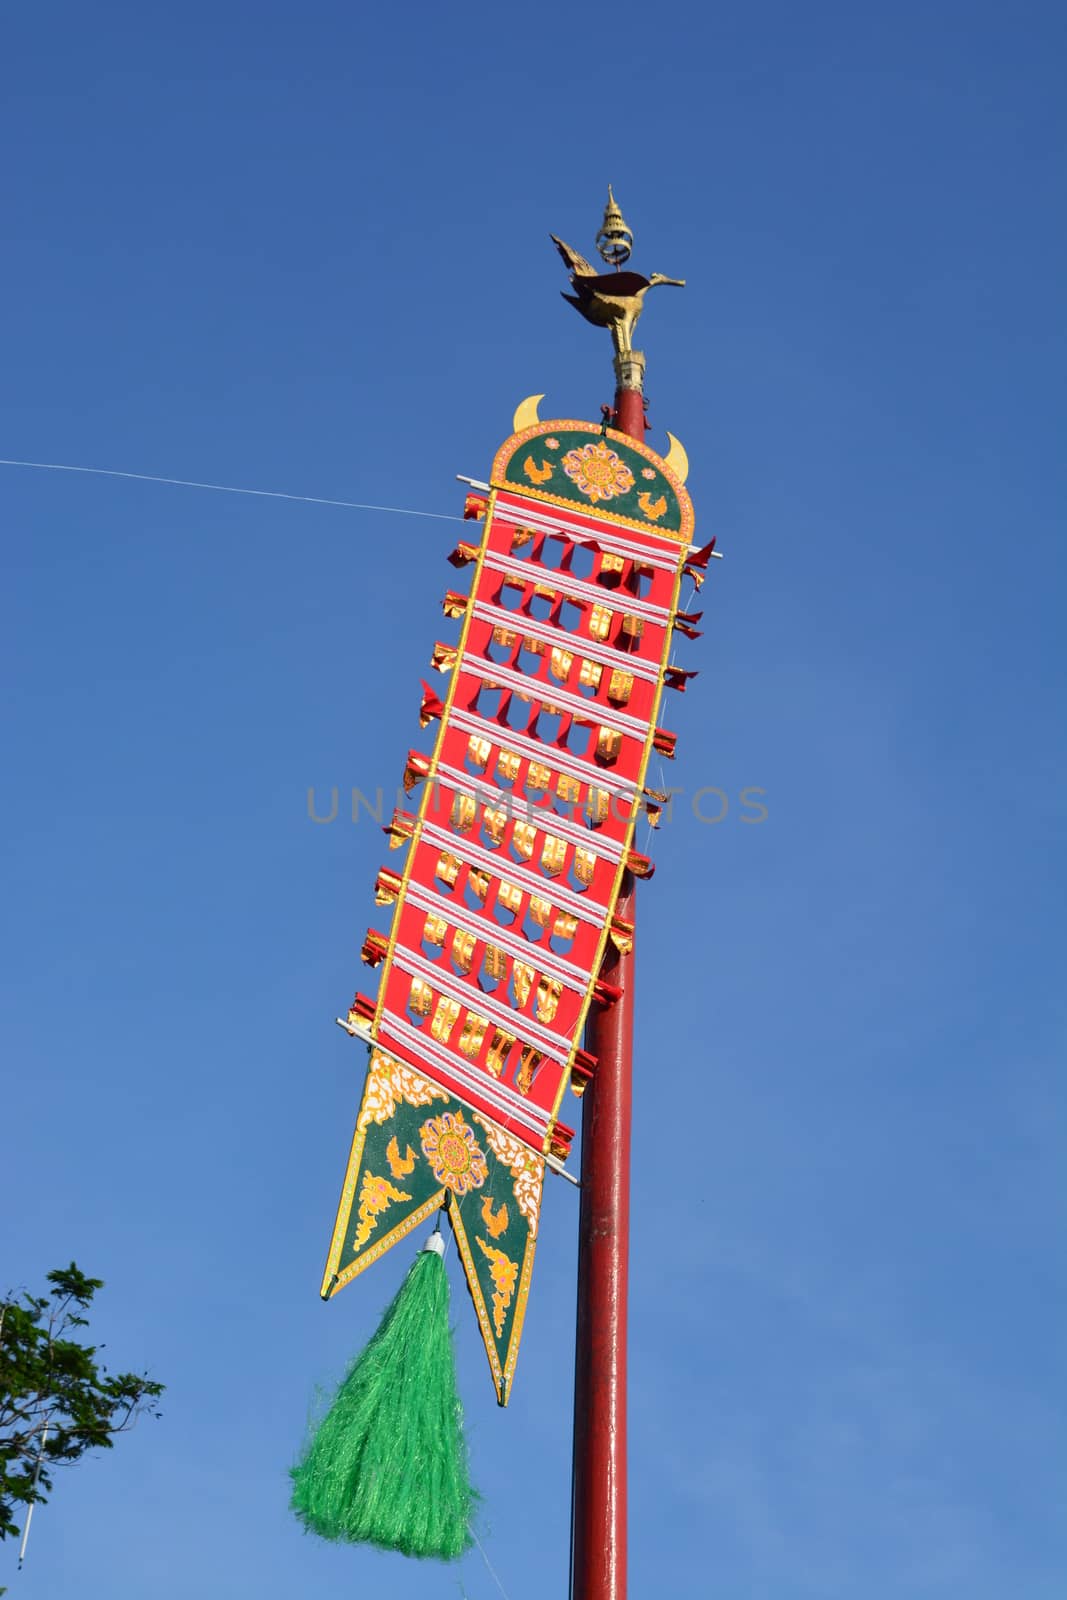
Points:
x=597 y=471
x=653 y=509
x=526 y=1169
x=375 y=1196
x=450 y=1147
x=399 y=1165
x=535 y=473
x=389 y=1081
x=495 y=1221
x=504 y=1273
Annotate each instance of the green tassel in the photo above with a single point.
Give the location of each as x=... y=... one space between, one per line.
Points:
x=388 y=1463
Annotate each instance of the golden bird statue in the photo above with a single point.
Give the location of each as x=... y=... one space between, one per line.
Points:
x=610 y=299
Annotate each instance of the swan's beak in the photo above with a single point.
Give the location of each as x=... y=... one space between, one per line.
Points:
x=676 y=283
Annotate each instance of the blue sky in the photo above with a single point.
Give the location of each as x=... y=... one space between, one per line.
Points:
x=306 y=249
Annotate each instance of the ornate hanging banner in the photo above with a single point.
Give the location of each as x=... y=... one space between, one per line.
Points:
x=516 y=854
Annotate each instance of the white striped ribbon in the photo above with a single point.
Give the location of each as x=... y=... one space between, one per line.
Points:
x=606 y=654
x=549 y=755
x=583 y=906
x=578 y=588
x=528 y=512
x=539 y=816
x=512 y=1021
x=568 y=972
x=478 y=1080
x=591 y=712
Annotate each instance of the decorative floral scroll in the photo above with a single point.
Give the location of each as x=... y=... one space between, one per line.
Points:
x=504 y=1273
x=597 y=471
x=451 y=1149
x=525 y=1168
x=388 y=1082
x=375 y=1196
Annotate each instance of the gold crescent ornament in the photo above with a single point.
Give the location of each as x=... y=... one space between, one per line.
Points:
x=526 y=413
x=676 y=458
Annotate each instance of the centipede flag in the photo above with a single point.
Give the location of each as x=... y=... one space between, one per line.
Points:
x=507 y=935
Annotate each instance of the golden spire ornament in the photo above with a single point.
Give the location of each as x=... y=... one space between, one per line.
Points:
x=615 y=240
x=612 y=300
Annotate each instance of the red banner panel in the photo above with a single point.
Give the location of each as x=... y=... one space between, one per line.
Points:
x=528 y=802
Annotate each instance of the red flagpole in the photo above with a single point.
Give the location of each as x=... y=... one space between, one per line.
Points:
x=598 y=1548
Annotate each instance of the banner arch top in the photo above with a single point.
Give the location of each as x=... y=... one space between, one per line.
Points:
x=597 y=471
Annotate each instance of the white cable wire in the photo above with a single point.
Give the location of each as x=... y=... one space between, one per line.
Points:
x=227 y=488
x=489 y=1564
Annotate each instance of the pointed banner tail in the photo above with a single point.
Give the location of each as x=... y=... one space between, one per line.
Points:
x=416 y=1150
